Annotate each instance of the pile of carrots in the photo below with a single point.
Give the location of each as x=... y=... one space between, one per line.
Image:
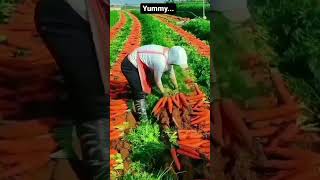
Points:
x=168 y=102
x=201 y=111
x=26 y=146
x=192 y=144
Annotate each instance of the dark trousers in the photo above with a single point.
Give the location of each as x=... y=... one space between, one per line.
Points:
x=69 y=39
x=132 y=75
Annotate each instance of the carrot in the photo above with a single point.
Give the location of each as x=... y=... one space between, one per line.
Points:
x=190 y=141
x=170 y=105
x=198 y=104
x=189 y=150
x=195 y=98
x=266 y=114
x=200 y=120
x=113 y=162
x=157 y=105
x=113 y=152
x=183 y=99
x=175 y=158
x=115 y=135
x=206 y=129
x=23 y=163
x=179 y=151
x=203 y=113
x=263 y=132
x=288 y=133
x=43 y=144
x=27 y=129
x=186 y=130
x=192 y=145
x=177 y=97
x=233 y=115
x=119 y=113
x=284 y=93
x=200 y=109
x=175 y=102
x=197 y=89
x=165 y=99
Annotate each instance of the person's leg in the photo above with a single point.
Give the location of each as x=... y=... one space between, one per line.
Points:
x=132 y=75
x=69 y=39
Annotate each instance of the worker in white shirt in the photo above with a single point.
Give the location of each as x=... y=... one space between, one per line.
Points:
x=147 y=61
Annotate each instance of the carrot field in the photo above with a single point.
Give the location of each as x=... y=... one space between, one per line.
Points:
x=175 y=140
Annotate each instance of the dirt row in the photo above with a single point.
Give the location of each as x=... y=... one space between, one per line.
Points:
x=119 y=109
x=203 y=48
x=117 y=27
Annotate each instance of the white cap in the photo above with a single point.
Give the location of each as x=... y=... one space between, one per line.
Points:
x=177 y=55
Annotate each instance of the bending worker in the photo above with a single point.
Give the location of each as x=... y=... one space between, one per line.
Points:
x=147 y=61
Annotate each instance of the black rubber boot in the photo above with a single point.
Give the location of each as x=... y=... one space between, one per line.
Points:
x=141 y=109
x=93 y=137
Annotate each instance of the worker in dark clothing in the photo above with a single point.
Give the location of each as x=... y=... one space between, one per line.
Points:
x=76 y=35
x=154 y=59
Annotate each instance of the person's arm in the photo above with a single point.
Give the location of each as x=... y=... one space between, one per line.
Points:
x=173 y=77
x=157 y=77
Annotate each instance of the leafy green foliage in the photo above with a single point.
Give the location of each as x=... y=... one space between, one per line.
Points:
x=173 y=136
x=199 y=27
x=146 y=142
x=137 y=172
x=293 y=30
x=229 y=47
x=114 y=17
x=118 y=43
x=293 y=26
x=192 y=9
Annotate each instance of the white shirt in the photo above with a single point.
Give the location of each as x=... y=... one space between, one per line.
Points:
x=156 y=62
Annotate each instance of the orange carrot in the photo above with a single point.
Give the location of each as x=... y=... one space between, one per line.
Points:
x=189 y=150
x=183 y=99
x=175 y=102
x=163 y=104
x=199 y=120
x=175 y=158
x=177 y=97
x=195 y=144
x=157 y=105
x=197 y=89
x=179 y=151
x=170 y=105
x=113 y=151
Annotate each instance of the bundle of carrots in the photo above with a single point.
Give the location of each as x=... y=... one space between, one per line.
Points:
x=118 y=111
x=118 y=108
x=201 y=112
x=192 y=144
x=26 y=146
x=118 y=88
x=113 y=162
x=168 y=102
